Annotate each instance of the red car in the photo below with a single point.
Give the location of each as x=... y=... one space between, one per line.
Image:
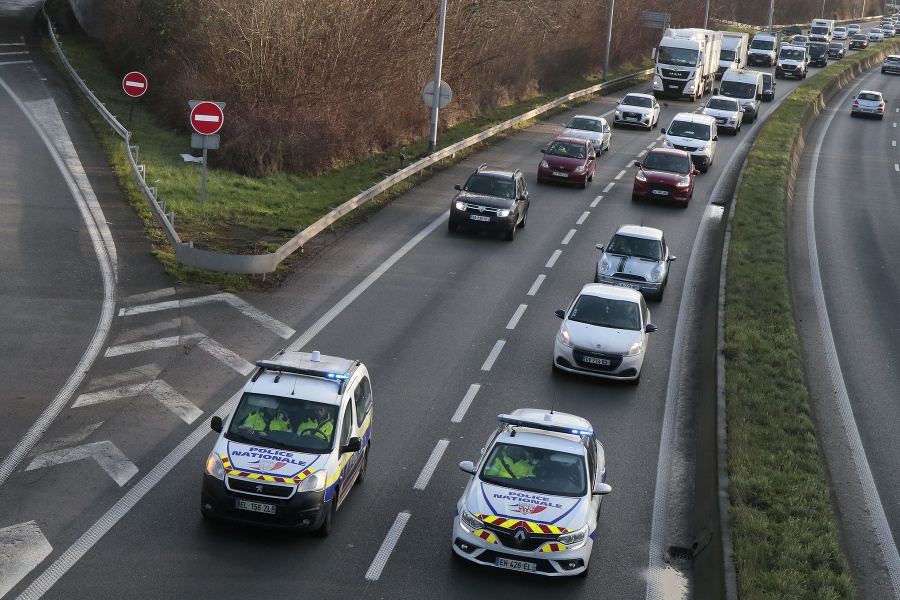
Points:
x=665 y=174
x=569 y=160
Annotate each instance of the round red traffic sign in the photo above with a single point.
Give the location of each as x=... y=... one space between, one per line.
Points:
x=207 y=118
x=134 y=84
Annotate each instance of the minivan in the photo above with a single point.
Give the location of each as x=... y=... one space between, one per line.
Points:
x=695 y=133
x=745 y=86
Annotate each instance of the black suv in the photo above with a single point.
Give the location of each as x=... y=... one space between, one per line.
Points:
x=491 y=200
x=818 y=54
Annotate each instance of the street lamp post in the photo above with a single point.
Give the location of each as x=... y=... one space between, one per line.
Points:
x=432 y=137
x=706 y=18
x=612 y=5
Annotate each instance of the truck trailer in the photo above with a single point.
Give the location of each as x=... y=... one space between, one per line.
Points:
x=734 y=52
x=686 y=63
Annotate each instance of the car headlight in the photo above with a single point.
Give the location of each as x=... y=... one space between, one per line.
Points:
x=704 y=148
x=470 y=521
x=564 y=338
x=656 y=274
x=684 y=182
x=579 y=169
x=618 y=113
x=640 y=176
x=574 y=537
x=636 y=349
x=503 y=212
x=460 y=205
x=215 y=467
x=605 y=266
x=668 y=144
x=314 y=483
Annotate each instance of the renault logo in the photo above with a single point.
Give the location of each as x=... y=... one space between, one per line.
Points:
x=520 y=536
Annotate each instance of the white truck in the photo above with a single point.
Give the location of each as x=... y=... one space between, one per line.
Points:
x=686 y=63
x=734 y=52
x=764 y=49
x=821 y=30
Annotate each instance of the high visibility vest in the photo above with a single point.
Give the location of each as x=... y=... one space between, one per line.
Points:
x=502 y=468
x=312 y=427
x=258 y=422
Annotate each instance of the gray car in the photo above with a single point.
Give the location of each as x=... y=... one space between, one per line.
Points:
x=636 y=257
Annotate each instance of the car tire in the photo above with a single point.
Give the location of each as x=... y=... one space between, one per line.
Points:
x=880 y=117
x=705 y=167
x=583 y=184
x=327 y=525
x=636 y=380
x=524 y=219
x=361 y=476
x=853 y=115
x=452 y=227
x=511 y=233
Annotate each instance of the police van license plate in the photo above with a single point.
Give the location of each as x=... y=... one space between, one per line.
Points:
x=596 y=361
x=479 y=218
x=255 y=506
x=515 y=565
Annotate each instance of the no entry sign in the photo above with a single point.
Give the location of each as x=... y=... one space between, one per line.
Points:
x=134 y=84
x=207 y=118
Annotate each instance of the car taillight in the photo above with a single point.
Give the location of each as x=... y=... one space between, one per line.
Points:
x=881 y=105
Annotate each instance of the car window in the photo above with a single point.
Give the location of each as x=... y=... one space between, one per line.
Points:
x=362 y=398
x=637 y=101
x=536 y=470
x=346 y=423
x=295 y=416
x=869 y=96
x=569 y=149
x=585 y=124
x=606 y=312
x=697 y=131
x=490 y=185
x=635 y=246
x=722 y=104
x=657 y=161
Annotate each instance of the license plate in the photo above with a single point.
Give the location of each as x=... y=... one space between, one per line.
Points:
x=631 y=118
x=596 y=361
x=269 y=509
x=673 y=87
x=555 y=174
x=630 y=286
x=661 y=192
x=479 y=218
x=515 y=565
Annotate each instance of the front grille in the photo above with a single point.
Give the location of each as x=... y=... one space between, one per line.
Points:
x=631 y=115
x=631 y=277
x=673 y=74
x=688 y=148
x=260 y=488
x=530 y=543
x=615 y=360
x=481 y=209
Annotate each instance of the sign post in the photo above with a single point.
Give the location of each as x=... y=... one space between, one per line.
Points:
x=206 y=119
x=135 y=85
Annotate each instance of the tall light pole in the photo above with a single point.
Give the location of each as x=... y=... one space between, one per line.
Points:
x=612 y=5
x=771 y=12
x=823 y=9
x=706 y=18
x=432 y=137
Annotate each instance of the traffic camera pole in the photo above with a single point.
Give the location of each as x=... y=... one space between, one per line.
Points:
x=432 y=138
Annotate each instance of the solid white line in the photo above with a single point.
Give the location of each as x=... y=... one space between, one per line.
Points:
x=874 y=506
x=608 y=186
x=466 y=402
x=13 y=53
x=582 y=218
x=387 y=546
x=619 y=176
x=489 y=361
x=569 y=235
x=596 y=201
x=137 y=298
x=553 y=259
x=536 y=285
x=15 y=62
x=431 y=465
x=516 y=316
x=641 y=153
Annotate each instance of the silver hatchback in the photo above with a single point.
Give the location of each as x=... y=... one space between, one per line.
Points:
x=868 y=103
x=636 y=257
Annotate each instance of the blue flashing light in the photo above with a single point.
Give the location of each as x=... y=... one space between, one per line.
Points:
x=544 y=425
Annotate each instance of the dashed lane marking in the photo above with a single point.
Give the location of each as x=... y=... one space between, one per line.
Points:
x=596 y=201
x=582 y=218
x=536 y=285
x=431 y=465
x=466 y=402
x=489 y=361
x=516 y=316
x=609 y=186
x=569 y=236
x=387 y=546
x=553 y=259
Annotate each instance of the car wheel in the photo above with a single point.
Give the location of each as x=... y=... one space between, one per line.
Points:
x=583 y=184
x=451 y=226
x=511 y=233
x=636 y=380
x=705 y=167
x=362 y=468
x=853 y=114
x=324 y=529
x=880 y=117
x=524 y=218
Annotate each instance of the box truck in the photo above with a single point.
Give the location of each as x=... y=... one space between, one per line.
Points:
x=734 y=52
x=686 y=63
x=821 y=30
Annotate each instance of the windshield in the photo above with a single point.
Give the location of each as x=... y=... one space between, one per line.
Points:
x=836 y=46
x=726 y=56
x=817 y=50
x=491 y=185
x=536 y=470
x=567 y=149
x=870 y=96
x=605 y=312
x=738 y=89
x=682 y=57
x=287 y=423
x=637 y=101
x=696 y=131
x=641 y=247
x=585 y=124
x=819 y=30
x=762 y=44
x=657 y=161
x=722 y=104
x=791 y=54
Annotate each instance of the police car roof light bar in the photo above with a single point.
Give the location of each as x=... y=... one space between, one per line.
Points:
x=541 y=425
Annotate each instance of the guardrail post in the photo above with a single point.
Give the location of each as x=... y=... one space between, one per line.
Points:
x=171 y=217
x=141 y=170
x=136 y=150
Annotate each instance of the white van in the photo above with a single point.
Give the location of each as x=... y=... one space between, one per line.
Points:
x=695 y=133
x=745 y=86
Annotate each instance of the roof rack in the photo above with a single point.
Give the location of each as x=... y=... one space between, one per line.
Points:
x=546 y=426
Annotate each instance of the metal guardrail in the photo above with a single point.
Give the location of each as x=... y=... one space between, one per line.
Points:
x=266 y=263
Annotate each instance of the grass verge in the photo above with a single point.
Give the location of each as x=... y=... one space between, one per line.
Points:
x=786 y=538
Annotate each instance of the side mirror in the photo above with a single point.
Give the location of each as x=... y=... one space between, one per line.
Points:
x=663 y=131
x=599 y=247
x=467 y=466
x=715 y=138
x=543 y=150
x=715 y=90
x=457 y=187
x=601 y=489
x=560 y=313
x=637 y=163
x=650 y=328
x=354 y=444
x=695 y=171
x=671 y=258
x=216 y=424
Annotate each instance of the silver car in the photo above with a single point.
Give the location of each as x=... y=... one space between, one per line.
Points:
x=640 y=110
x=636 y=257
x=727 y=111
x=589 y=127
x=868 y=103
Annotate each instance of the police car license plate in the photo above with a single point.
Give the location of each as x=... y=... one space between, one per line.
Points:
x=479 y=218
x=596 y=361
x=661 y=192
x=555 y=174
x=255 y=506
x=515 y=565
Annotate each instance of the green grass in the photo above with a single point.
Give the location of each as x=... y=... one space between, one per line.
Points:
x=242 y=215
x=786 y=540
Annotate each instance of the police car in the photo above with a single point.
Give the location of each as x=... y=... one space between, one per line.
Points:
x=294 y=444
x=533 y=499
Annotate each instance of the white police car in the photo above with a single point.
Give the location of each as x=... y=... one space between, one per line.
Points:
x=533 y=499
x=293 y=445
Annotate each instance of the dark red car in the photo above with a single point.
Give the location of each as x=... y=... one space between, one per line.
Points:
x=665 y=174
x=569 y=160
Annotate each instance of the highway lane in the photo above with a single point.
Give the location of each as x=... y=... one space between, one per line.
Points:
x=425 y=329
x=853 y=239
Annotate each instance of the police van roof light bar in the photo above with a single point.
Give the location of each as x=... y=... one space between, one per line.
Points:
x=268 y=366
x=542 y=425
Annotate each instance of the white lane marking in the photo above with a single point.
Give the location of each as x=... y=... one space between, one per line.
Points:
x=489 y=361
x=582 y=218
x=569 y=235
x=211 y=346
x=4 y=44
x=22 y=548
x=466 y=402
x=15 y=62
x=596 y=201
x=387 y=546
x=141 y=373
x=148 y=296
x=431 y=465
x=270 y=323
x=225 y=356
x=650 y=147
x=874 y=506
x=162 y=391
x=619 y=176
x=103 y=453
x=641 y=153
x=66 y=441
x=149 y=331
x=894 y=125
x=896 y=167
x=13 y=53
x=661 y=136
x=553 y=258
x=106 y=259
x=134 y=347
x=516 y=316
x=609 y=186
x=536 y=285
x=894 y=143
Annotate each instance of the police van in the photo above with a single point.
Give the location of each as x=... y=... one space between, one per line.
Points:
x=294 y=444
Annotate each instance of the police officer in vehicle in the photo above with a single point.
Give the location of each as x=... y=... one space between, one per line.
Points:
x=269 y=418
x=512 y=462
x=317 y=424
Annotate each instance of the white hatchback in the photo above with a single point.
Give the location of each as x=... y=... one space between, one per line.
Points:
x=727 y=111
x=604 y=333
